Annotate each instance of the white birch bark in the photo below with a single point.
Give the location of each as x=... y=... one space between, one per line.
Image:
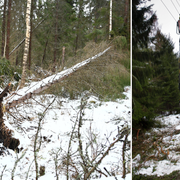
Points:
x=110 y=19
x=26 y=48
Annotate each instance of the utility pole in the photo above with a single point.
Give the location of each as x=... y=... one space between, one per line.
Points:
x=110 y=19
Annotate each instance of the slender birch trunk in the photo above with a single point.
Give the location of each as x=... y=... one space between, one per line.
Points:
x=63 y=54
x=26 y=48
x=110 y=19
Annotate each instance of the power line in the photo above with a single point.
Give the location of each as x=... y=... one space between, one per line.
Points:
x=177 y=2
x=175 y=7
x=168 y=10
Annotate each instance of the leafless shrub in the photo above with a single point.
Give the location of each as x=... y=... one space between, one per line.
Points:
x=2 y=172
x=36 y=149
x=84 y=163
x=16 y=162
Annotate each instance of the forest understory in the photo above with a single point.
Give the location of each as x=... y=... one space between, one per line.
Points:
x=77 y=128
x=156 y=152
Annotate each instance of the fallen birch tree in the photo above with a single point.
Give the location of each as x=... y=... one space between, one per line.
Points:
x=20 y=95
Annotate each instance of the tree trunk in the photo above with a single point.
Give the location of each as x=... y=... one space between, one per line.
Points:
x=63 y=54
x=126 y=19
x=76 y=43
x=79 y=25
x=26 y=48
x=8 y=29
x=110 y=19
x=55 y=37
x=29 y=56
x=126 y=12
x=3 y=28
x=55 y=48
x=44 y=54
x=17 y=58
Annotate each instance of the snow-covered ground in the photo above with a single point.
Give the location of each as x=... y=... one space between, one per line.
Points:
x=165 y=142
x=98 y=130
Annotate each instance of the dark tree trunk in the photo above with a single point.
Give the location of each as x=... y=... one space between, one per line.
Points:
x=8 y=29
x=76 y=43
x=17 y=58
x=78 y=25
x=126 y=19
x=126 y=11
x=55 y=37
x=44 y=54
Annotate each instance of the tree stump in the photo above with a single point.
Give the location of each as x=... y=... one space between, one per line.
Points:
x=5 y=133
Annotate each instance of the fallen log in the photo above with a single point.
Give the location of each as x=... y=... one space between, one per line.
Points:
x=36 y=87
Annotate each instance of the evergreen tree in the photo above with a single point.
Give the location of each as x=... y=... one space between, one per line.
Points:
x=155 y=73
x=57 y=24
x=99 y=20
x=144 y=99
x=143 y=95
x=166 y=68
x=141 y=25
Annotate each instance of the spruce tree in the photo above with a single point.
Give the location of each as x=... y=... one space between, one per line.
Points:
x=141 y=25
x=155 y=72
x=166 y=68
x=143 y=95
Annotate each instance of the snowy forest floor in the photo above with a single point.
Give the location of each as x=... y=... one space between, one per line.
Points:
x=73 y=129
x=99 y=129
x=156 y=153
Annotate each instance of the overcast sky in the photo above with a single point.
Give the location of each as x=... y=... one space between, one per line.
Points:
x=168 y=14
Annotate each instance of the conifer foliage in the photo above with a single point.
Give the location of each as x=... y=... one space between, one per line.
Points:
x=57 y=24
x=155 y=70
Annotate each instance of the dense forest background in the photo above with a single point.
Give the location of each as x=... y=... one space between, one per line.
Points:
x=56 y=24
x=154 y=69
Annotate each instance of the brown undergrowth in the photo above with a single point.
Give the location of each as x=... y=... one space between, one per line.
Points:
x=105 y=76
x=151 y=146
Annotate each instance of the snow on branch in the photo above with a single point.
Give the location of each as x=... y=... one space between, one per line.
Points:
x=36 y=87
